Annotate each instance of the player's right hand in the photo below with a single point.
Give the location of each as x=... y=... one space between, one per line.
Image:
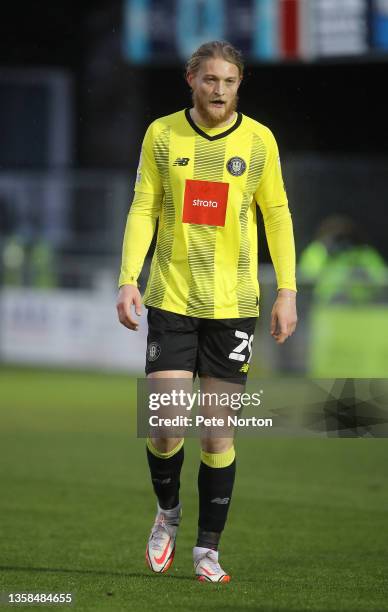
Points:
x=128 y=295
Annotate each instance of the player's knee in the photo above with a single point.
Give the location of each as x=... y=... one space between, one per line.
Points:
x=165 y=445
x=216 y=445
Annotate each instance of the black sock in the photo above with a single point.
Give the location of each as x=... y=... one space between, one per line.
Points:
x=215 y=486
x=208 y=539
x=165 y=476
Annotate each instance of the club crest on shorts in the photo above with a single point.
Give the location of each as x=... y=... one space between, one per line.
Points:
x=236 y=166
x=153 y=351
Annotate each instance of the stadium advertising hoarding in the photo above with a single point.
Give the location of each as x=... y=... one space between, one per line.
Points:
x=380 y=25
x=75 y=329
x=167 y=31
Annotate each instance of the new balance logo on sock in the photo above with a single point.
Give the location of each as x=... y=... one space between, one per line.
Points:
x=163 y=481
x=219 y=500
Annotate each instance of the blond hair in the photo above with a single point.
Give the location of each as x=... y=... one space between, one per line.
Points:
x=213 y=49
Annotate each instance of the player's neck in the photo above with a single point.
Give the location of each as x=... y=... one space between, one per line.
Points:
x=200 y=120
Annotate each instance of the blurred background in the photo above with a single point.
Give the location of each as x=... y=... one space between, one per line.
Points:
x=80 y=82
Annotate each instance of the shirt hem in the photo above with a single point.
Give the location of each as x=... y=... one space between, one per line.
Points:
x=220 y=315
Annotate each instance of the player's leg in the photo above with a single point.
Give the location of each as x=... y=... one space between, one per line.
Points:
x=215 y=484
x=221 y=371
x=171 y=342
x=165 y=454
x=165 y=459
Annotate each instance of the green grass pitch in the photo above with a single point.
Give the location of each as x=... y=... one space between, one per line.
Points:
x=308 y=526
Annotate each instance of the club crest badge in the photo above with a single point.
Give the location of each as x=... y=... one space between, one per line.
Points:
x=236 y=166
x=153 y=351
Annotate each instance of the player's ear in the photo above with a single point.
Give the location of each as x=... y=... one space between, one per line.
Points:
x=189 y=79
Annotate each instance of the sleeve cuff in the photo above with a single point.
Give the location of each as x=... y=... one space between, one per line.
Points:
x=291 y=287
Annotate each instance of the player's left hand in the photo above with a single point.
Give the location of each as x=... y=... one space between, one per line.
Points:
x=283 y=316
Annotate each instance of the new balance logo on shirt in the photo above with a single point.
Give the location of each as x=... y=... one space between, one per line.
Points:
x=181 y=161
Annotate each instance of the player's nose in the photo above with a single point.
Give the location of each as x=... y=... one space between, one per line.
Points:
x=220 y=89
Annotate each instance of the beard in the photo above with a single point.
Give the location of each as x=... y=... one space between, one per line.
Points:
x=214 y=116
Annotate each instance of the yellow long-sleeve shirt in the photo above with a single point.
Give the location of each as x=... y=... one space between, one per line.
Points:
x=203 y=185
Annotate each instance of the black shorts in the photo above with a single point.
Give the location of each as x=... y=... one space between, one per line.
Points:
x=220 y=348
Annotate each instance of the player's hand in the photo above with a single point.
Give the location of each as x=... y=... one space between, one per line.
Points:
x=283 y=316
x=128 y=295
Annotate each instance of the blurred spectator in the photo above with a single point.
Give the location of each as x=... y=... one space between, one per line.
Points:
x=42 y=265
x=348 y=320
x=26 y=258
x=13 y=261
x=340 y=264
x=26 y=264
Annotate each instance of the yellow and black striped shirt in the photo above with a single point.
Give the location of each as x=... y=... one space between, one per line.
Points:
x=204 y=184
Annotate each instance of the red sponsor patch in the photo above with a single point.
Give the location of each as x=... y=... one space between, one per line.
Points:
x=205 y=202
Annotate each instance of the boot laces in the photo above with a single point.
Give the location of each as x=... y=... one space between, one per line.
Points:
x=159 y=530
